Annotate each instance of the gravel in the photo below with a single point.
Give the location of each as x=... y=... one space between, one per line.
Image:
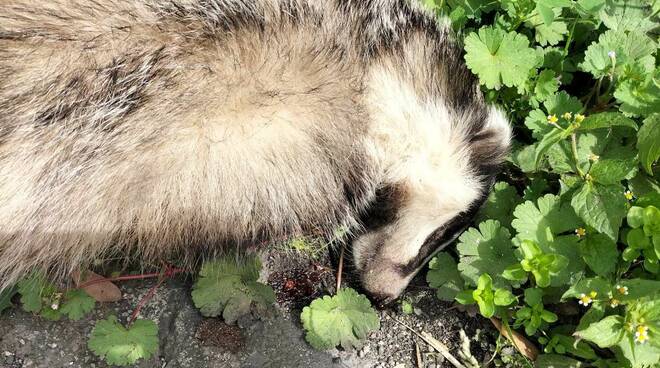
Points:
x=189 y=340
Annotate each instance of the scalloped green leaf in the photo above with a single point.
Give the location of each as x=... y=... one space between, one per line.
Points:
x=119 y=345
x=343 y=319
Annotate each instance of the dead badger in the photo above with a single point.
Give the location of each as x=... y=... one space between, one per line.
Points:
x=161 y=128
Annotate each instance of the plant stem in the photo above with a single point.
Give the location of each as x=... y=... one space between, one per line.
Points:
x=570 y=37
x=170 y=272
x=146 y=298
x=575 y=155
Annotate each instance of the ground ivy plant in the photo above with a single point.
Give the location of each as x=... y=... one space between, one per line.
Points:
x=575 y=220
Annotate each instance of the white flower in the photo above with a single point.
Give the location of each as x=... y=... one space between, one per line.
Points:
x=622 y=289
x=585 y=300
x=611 y=54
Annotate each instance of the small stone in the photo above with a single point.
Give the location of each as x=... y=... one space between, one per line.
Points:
x=52 y=346
x=8 y=353
x=21 y=341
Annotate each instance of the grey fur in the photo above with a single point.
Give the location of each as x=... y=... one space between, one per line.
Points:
x=172 y=128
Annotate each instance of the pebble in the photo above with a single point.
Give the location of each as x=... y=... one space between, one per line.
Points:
x=8 y=353
x=52 y=346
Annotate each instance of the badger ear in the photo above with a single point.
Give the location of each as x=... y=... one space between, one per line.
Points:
x=490 y=145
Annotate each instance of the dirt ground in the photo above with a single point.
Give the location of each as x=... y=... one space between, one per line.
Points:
x=189 y=340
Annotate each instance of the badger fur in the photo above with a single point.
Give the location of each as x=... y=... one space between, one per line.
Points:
x=161 y=128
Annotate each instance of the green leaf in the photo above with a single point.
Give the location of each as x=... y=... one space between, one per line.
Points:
x=548 y=34
x=591 y=7
x=76 y=304
x=533 y=296
x=594 y=314
x=500 y=204
x=557 y=105
x=606 y=120
x=473 y=8
x=602 y=207
x=637 y=289
x=444 y=277
x=637 y=239
x=639 y=355
x=515 y=273
x=343 y=319
x=640 y=97
x=523 y=158
x=628 y=47
x=465 y=297
x=484 y=296
x=611 y=171
x=648 y=142
x=635 y=217
x=548 y=141
x=487 y=250
x=599 y=253
x=503 y=297
x=542 y=223
x=33 y=289
x=5 y=298
x=535 y=190
x=499 y=58
x=585 y=286
x=608 y=332
x=118 y=345
x=406 y=307
x=557 y=361
x=228 y=288
x=546 y=85
x=627 y=15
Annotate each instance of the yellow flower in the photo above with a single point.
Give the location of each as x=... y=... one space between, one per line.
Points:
x=585 y=299
x=552 y=119
x=593 y=157
x=642 y=334
x=580 y=232
x=593 y=294
x=622 y=289
x=567 y=116
x=579 y=118
x=614 y=302
x=629 y=195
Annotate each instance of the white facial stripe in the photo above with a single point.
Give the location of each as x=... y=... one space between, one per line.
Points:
x=435 y=170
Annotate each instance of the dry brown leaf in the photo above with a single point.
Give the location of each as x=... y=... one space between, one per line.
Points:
x=102 y=291
x=526 y=347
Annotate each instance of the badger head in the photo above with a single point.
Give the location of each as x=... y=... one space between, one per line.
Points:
x=438 y=148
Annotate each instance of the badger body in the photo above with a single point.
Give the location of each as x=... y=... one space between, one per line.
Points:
x=176 y=128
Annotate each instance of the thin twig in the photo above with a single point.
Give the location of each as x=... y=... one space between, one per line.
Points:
x=169 y=272
x=436 y=344
x=340 y=268
x=172 y=272
x=145 y=299
x=419 y=355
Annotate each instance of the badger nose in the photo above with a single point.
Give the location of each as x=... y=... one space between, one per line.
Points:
x=382 y=300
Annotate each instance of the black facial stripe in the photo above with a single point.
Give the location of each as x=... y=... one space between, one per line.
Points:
x=443 y=236
x=385 y=207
